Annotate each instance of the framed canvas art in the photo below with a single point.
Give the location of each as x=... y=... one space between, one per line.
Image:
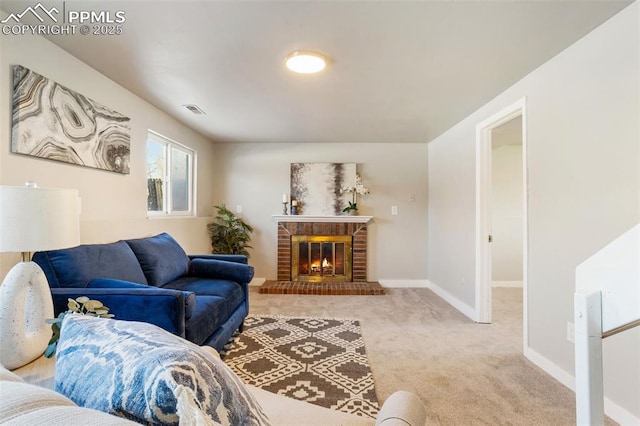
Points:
x=53 y=122
x=316 y=187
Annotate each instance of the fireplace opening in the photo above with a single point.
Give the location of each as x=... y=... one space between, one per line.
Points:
x=321 y=258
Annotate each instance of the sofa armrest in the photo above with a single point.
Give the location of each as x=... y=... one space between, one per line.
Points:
x=162 y=307
x=210 y=268
x=402 y=409
x=237 y=258
x=25 y=404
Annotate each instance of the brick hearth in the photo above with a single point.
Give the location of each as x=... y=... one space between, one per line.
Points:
x=357 y=230
x=322 y=289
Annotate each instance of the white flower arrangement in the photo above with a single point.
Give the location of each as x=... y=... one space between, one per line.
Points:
x=357 y=189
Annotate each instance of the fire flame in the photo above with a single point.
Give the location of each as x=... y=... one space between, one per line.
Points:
x=324 y=265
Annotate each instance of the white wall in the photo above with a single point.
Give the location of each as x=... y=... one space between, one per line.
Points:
x=451 y=223
x=113 y=205
x=584 y=191
x=255 y=175
x=506 y=214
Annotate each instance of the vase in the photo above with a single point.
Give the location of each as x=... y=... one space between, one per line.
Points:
x=25 y=305
x=353 y=212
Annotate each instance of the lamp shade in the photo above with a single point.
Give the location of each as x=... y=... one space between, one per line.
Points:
x=33 y=219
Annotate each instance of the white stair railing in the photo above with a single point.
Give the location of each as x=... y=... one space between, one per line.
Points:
x=606 y=302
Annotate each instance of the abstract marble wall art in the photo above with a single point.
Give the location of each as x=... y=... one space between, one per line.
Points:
x=316 y=187
x=53 y=122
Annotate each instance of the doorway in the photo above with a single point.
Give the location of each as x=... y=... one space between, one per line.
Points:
x=506 y=204
x=513 y=120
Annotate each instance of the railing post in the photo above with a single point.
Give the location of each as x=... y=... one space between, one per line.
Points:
x=588 y=359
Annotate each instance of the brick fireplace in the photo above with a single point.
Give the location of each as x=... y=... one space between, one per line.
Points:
x=354 y=227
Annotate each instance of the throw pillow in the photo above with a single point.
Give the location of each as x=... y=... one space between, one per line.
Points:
x=161 y=257
x=76 y=266
x=143 y=373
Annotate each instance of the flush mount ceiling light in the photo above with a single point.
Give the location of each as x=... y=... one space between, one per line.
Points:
x=305 y=62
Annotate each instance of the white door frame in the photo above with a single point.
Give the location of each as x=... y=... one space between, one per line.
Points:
x=483 y=210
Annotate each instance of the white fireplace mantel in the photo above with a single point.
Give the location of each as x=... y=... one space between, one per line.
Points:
x=334 y=219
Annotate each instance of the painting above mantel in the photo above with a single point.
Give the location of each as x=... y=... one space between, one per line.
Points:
x=317 y=187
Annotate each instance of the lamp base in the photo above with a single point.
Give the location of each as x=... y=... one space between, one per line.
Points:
x=25 y=304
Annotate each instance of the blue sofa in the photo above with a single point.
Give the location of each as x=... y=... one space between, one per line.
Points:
x=202 y=298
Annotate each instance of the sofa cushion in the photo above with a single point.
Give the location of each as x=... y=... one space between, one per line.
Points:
x=143 y=373
x=75 y=267
x=161 y=257
x=210 y=312
x=230 y=291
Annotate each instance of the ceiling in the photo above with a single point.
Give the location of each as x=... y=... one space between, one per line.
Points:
x=400 y=71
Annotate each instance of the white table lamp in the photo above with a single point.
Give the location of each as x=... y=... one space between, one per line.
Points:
x=31 y=219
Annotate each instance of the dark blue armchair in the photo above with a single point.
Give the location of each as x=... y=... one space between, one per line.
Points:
x=201 y=298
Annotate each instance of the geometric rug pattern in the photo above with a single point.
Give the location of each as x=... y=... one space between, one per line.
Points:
x=317 y=360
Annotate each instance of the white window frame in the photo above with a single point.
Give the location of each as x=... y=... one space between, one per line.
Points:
x=170 y=144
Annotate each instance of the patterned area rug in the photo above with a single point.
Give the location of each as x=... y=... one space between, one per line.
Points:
x=320 y=361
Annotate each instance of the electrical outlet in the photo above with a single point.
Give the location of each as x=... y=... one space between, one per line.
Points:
x=570 y=332
x=412 y=198
x=394 y=209
x=238 y=209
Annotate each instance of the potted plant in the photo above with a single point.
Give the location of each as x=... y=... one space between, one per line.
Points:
x=357 y=189
x=229 y=234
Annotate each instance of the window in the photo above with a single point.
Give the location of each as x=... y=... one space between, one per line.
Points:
x=170 y=177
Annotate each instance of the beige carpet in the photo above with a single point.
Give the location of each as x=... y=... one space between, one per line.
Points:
x=465 y=373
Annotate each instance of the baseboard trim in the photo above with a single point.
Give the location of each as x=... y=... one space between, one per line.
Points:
x=404 y=283
x=611 y=409
x=619 y=414
x=465 y=309
x=256 y=282
x=550 y=368
x=517 y=284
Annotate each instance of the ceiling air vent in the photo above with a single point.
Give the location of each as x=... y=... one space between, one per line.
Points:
x=195 y=109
